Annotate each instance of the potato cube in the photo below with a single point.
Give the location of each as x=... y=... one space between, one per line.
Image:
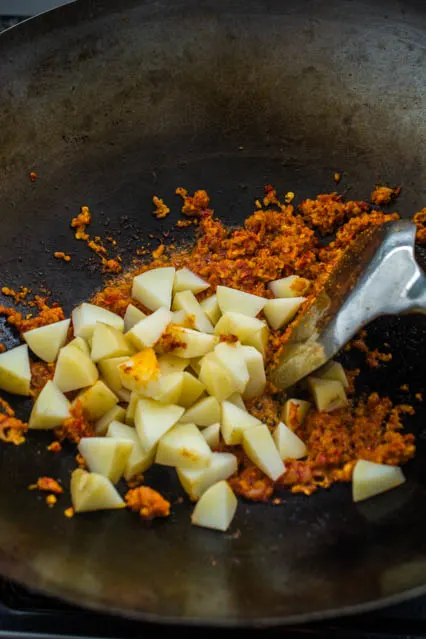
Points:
x=46 y=341
x=203 y=413
x=15 y=373
x=186 y=280
x=110 y=372
x=132 y=316
x=216 y=507
x=106 y=456
x=50 y=409
x=335 y=371
x=292 y=286
x=81 y=344
x=294 y=412
x=212 y=435
x=234 y=423
x=74 y=369
x=153 y=420
x=281 y=311
x=231 y=299
x=211 y=308
x=97 y=400
x=192 y=389
x=116 y=413
x=231 y=357
x=91 y=491
x=328 y=394
x=139 y=370
x=187 y=302
x=183 y=447
x=256 y=371
x=261 y=450
x=154 y=288
x=196 y=482
x=216 y=378
x=289 y=445
x=108 y=342
x=236 y=399
x=86 y=316
x=169 y=363
x=149 y=330
x=370 y=479
x=139 y=460
x=194 y=343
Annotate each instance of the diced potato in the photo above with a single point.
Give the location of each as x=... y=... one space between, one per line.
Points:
x=259 y=340
x=196 y=364
x=235 y=422
x=132 y=316
x=116 y=413
x=74 y=369
x=249 y=330
x=289 y=445
x=294 y=411
x=106 y=455
x=216 y=507
x=216 y=378
x=328 y=394
x=154 y=288
x=46 y=341
x=108 y=342
x=140 y=369
x=91 y=491
x=153 y=420
x=292 y=286
x=256 y=370
x=180 y=318
x=335 y=371
x=86 y=316
x=169 y=363
x=370 y=479
x=139 y=460
x=149 y=330
x=170 y=388
x=183 y=447
x=97 y=400
x=196 y=482
x=211 y=308
x=51 y=408
x=281 y=311
x=212 y=435
x=236 y=399
x=204 y=413
x=124 y=395
x=186 y=280
x=110 y=372
x=15 y=373
x=230 y=299
x=231 y=357
x=187 y=302
x=81 y=344
x=261 y=450
x=131 y=408
x=195 y=344
x=192 y=388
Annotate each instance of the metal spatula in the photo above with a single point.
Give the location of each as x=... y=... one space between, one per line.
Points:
x=377 y=275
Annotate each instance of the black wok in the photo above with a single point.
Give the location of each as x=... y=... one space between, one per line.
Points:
x=111 y=102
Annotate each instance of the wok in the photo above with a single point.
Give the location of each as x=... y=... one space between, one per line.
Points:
x=111 y=102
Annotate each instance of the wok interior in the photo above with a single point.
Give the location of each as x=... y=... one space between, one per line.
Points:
x=111 y=105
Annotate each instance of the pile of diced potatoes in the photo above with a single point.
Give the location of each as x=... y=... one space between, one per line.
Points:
x=173 y=408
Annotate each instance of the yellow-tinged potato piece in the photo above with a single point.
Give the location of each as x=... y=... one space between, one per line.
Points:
x=86 y=316
x=294 y=411
x=289 y=445
x=216 y=507
x=149 y=330
x=106 y=455
x=139 y=460
x=236 y=399
x=153 y=420
x=259 y=340
x=211 y=308
x=203 y=413
x=91 y=491
x=328 y=394
x=46 y=341
x=234 y=422
x=180 y=318
x=170 y=388
x=74 y=369
x=140 y=369
x=261 y=450
x=124 y=395
x=256 y=371
x=15 y=373
x=333 y=370
x=183 y=447
x=231 y=357
x=370 y=479
x=194 y=343
x=108 y=342
x=81 y=344
x=51 y=408
x=97 y=400
x=196 y=482
x=196 y=364
x=291 y=286
x=154 y=288
x=281 y=311
x=216 y=378
x=131 y=408
x=169 y=363
x=212 y=435
x=110 y=372
x=187 y=302
x=186 y=280
x=250 y=331
x=231 y=299
x=115 y=414
x=191 y=390
x=132 y=316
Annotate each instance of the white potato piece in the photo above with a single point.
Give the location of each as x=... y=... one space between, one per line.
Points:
x=187 y=302
x=250 y=331
x=231 y=299
x=196 y=364
x=97 y=400
x=328 y=394
x=289 y=445
x=110 y=372
x=191 y=390
x=91 y=491
x=106 y=455
x=132 y=316
x=15 y=372
x=216 y=507
x=256 y=371
x=217 y=380
x=259 y=340
x=294 y=411
x=74 y=369
x=170 y=388
x=212 y=435
x=169 y=363
x=81 y=344
x=186 y=280
x=138 y=371
x=196 y=344
x=124 y=395
x=236 y=399
x=234 y=423
x=333 y=370
x=370 y=479
x=131 y=408
x=139 y=460
x=291 y=286
x=203 y=413
x=86 y=316
x=115 y=414
x=46 y=341
x=183 y=447
x=51 y=408
x=261 y=450
x=180 y=318
x=211 y=308
x=153 y=420
x=154 y=288
x=108 y=342
x=196 y=482
x=281 y=311
x=149 y=330
x=231 y=357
